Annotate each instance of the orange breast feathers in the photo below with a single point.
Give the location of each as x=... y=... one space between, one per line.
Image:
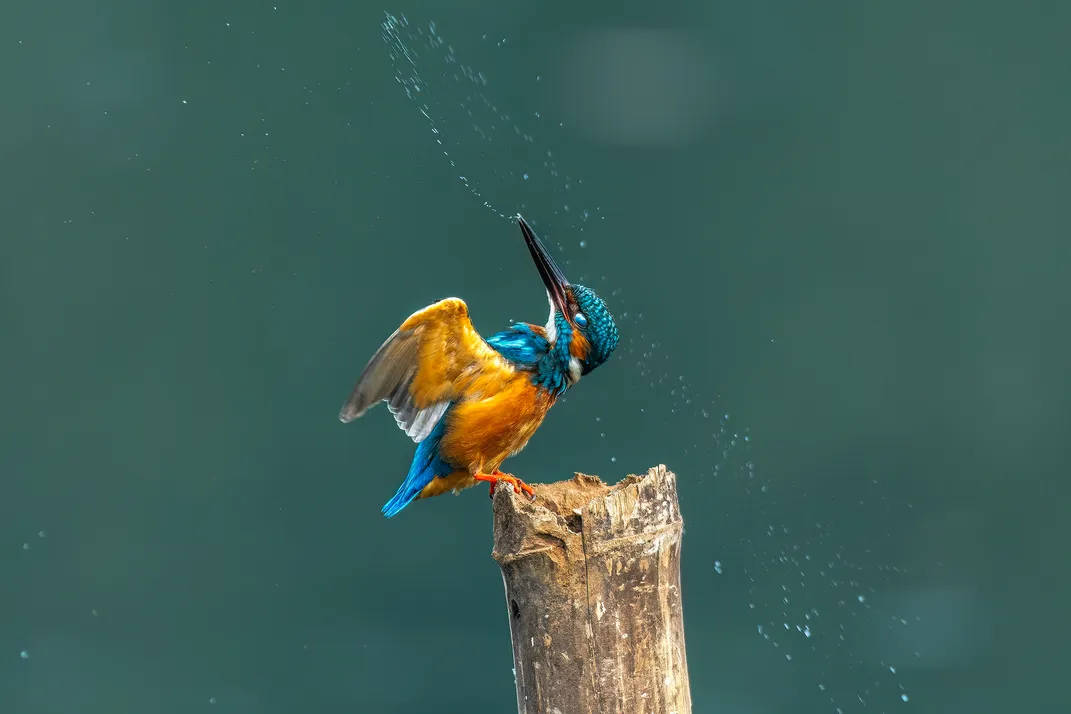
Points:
x=482 y=432
x=436 y=358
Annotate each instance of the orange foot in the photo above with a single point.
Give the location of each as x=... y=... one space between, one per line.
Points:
x=496 y=476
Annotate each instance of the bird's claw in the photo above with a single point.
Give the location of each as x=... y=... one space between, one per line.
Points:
x=496 y=477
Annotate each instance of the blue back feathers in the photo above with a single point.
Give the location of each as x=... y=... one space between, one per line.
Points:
x=520 y=344
x=548 y=362
x=529 y=350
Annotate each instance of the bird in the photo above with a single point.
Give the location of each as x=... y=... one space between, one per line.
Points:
x=470 y=402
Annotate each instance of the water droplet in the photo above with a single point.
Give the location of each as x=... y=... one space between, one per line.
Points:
x=583 y=244
x=862 y=598
x=613 y=459
x=526 y=177
x=24 y=654
x=41 y=534
x=904 y=697
x=212 y=700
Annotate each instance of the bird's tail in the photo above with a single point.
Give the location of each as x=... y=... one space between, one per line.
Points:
x=408 y=491
x=427 y=464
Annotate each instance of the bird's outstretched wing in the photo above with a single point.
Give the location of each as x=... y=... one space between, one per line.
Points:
x=421 y=368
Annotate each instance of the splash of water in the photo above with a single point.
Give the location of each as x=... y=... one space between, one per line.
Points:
x=464 y=118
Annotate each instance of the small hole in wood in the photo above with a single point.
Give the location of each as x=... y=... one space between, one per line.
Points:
x=574 y=523
x=514 y=609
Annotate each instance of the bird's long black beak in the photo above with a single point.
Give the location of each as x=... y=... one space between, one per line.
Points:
x=552 y=275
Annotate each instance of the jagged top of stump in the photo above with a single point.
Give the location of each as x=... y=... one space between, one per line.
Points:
x=584 y=504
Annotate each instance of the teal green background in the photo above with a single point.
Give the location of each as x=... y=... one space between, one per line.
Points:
x=841 y=224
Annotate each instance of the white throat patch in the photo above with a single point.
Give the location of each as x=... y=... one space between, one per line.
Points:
x=574 y=370
x=552 y=329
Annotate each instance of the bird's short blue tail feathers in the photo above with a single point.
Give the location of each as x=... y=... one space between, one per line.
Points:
x=427 y=464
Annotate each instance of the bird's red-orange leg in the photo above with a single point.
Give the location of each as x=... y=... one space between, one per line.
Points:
x=494 y=477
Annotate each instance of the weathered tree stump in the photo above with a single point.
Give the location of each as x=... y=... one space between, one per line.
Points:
x=592 y=575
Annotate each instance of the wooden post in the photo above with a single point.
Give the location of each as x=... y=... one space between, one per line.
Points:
x=592 y=575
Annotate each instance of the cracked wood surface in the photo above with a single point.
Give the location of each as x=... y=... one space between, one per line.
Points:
x=592 y=577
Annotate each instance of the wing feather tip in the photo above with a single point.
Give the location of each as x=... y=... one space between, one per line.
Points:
x=350 y=411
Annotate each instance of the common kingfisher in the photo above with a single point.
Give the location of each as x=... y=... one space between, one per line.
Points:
x=469 y=402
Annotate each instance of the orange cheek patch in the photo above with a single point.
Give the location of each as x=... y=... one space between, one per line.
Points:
x=579 y=346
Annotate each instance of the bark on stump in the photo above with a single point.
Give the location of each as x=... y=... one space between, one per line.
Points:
x=592 y=576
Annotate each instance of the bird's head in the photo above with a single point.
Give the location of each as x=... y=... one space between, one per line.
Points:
x=580 y=328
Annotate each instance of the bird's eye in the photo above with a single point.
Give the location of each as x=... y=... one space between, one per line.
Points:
x=580 y=320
